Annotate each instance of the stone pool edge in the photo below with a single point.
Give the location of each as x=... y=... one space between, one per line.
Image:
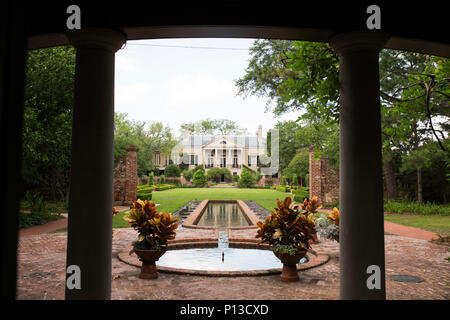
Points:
x=194 y=217
x=314 y=262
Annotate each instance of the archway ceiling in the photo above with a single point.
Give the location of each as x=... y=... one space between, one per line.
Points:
x=413 y=28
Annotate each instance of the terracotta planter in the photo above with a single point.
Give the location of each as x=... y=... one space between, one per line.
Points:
x=289 y=272
x=148 y=258
x=314 y=240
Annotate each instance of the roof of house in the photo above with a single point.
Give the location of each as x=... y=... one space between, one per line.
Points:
x=246 y=141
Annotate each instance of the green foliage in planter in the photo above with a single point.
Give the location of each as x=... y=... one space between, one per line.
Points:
x=289 y=225
x=154 y=228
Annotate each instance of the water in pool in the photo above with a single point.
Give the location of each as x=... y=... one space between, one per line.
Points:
x=222 y=258
x=222 y=215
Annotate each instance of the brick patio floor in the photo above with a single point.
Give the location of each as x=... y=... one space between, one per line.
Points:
x=41 y=273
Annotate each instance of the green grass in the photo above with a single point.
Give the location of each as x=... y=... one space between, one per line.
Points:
x=172 y=200
x=436 y=223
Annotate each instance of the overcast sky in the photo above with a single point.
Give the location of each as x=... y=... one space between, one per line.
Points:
x=169 y=81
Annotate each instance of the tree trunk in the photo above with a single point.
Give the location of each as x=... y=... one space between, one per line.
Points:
x=419 y=186
x=419 y=169
x=391 y=183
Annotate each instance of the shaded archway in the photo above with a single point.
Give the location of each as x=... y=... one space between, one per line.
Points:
x=108 y=28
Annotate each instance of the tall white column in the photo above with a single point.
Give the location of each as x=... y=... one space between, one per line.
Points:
x=89 y=242
x=362 y=264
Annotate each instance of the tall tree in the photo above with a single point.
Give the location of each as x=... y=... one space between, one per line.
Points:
x=47 y=129
x=213 y=127
x=148 y=136
x=304 y=76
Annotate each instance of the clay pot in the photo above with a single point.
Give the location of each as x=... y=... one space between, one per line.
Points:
x=148 y=258
x=289 y=272
x=314 y=239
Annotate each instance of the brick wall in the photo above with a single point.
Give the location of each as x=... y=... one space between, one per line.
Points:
x=323 y=179
x=126 y=178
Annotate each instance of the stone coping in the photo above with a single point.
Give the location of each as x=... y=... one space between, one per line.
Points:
x=132 y=260
x=192 y=220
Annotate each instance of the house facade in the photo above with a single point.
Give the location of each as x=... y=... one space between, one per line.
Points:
x=220 y=151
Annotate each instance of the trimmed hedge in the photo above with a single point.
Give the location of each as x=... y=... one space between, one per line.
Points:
x=158 y=187
x=144 y=195
x=417 y=208
x=301 y=194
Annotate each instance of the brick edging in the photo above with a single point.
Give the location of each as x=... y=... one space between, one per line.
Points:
x=124 y=257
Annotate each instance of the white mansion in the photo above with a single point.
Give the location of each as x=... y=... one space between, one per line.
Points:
x=231 y=152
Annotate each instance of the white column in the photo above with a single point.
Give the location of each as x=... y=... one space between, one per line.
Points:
x=89 y=242
x=361 y=184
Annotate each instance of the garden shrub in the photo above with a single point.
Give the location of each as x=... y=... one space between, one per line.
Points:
x=144 y=195
x=417 y=208
x=214 y=174
x=162 y=179
x=235 y=178
x=150 y=178
x=188 y=174
x=294 y=180
x=172 y=170
x=301 y=194
x=163 y=187
x=199 y=178
x=198 y=167
x=246 y=179
x=36 y=210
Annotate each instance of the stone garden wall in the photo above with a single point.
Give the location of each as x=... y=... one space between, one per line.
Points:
x=125 y=178
x=323 y=179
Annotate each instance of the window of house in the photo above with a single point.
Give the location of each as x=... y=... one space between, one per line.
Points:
x=194 y=159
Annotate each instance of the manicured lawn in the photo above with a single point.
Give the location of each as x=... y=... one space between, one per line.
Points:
x=435 y=223
x=171 y=200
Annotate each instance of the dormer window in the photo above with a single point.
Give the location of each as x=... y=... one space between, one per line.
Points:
x=223 y=142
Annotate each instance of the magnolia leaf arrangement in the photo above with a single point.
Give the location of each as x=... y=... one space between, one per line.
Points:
x=154 y=228
x=290 y=227
x=328 y=227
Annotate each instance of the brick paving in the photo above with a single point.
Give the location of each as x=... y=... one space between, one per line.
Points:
x=41 y=266
x=401 y=230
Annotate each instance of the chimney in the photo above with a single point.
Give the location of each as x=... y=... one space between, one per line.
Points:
x=259 y=133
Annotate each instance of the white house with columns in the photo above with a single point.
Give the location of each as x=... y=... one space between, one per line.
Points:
x=220 y=151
